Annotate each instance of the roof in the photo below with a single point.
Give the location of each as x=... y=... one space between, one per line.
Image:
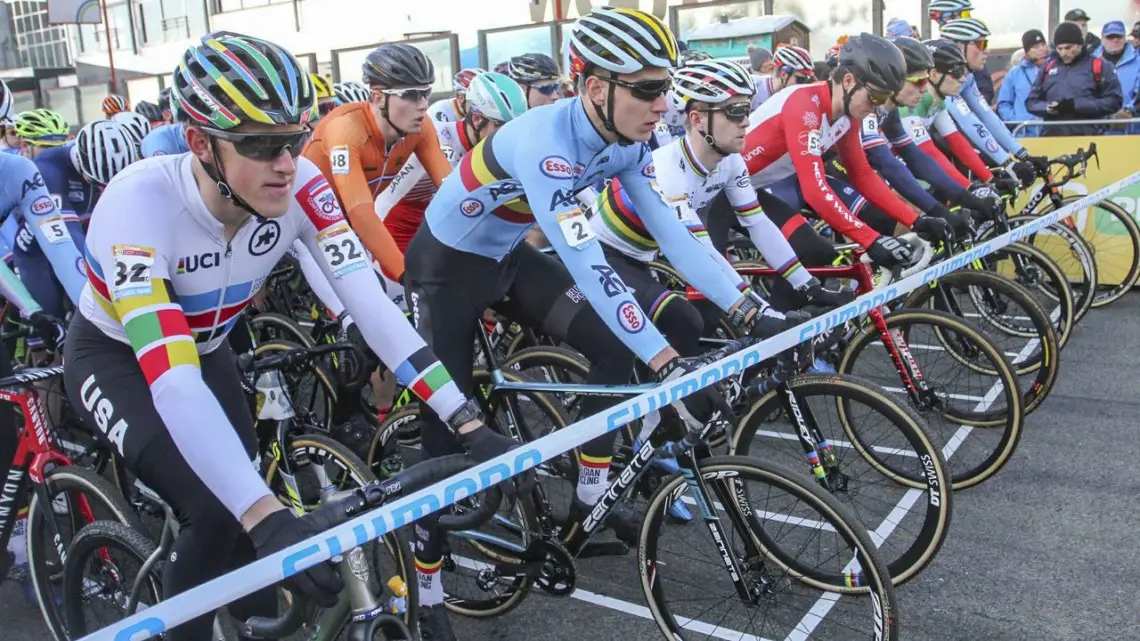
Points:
x=735 y=28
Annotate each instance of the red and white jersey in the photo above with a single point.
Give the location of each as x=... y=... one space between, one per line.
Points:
x=413 y=186
x=789 y=134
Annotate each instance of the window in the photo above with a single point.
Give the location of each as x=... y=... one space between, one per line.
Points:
x=221 y=6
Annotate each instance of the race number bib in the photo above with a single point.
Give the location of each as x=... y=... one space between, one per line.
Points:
x=575 y=229
x=918 y=131
x=342 y=250
x=338 y=160
x=55 y=230
x=132 y=271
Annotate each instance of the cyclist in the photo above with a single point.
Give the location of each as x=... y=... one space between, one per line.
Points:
x=135 y=123
x=326 y=99
x=943 y=11
x=972 y=112
x=918 y=162
x=73 y=175
x=784 y=149
x=453 y=109
x=350 y=92
x=148 y=366
x=113 y=104
x=10 y=142
x=164 y=105
x=361 y=147
x=538 y=75
x=492 y=100
x=151 y=112
x=167 y=139
x=794 y=66
x=41 y=129
x=469 y=253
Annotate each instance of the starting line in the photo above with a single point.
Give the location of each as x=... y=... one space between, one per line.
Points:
x=273 y=569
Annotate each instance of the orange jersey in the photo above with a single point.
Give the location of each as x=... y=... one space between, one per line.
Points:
x=350 y=151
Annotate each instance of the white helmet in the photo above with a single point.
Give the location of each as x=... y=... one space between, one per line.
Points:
x=5 y=102
x=102 y=149
x=135 y=124
x=712 y=81
x=351 y=91
x=949 y=6
x=496 y=96
x=964 y=30
x=796 y=58
x=621 y=41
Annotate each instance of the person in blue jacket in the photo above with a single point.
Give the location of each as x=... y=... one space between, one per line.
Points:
x=1115 y=49
x=1015 y=88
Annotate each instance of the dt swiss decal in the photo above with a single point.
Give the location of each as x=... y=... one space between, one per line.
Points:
x=319 y=202
x=556 y=167
x=471 y=207
x=630 y=317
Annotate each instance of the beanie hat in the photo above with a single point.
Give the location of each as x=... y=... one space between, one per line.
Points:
x=1068 y=33
x=1030 y=38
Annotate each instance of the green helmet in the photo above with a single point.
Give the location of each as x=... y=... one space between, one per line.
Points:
x=496 y=96
x=42 y=128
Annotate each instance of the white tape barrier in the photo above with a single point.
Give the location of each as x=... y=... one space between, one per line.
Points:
x=273 y=569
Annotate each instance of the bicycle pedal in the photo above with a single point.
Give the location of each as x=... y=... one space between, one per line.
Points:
x=603 y=548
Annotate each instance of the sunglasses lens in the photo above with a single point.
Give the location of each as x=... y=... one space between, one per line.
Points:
x=650 y=89
x=270 y=146
x=737 y=112
x=549 y=89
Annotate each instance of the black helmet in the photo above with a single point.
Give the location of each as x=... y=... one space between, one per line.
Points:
x=947 y=55
x=149 y=110
x=532 y=67
x=874 y=60
x=398 y=65
x=164 y=99
x=916 y=54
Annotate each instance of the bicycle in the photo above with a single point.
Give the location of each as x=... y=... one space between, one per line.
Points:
x=362 y=612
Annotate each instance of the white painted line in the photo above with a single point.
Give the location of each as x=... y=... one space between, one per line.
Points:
x=893 y=451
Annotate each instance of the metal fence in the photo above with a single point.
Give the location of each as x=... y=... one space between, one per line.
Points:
x=1110 y=126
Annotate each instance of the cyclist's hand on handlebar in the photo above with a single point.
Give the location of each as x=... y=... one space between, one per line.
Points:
x=484 y=444
x=933 y=229
x=1040 y=163
x=698 y=408
x=49 y=329
x=958 y=222
x=986 y=208
x=280 y=529
x=1006 y=186
x=890 y=252
x=815 y=294
x=1023 y=171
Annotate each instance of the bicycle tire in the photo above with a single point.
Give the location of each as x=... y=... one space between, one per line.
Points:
x=1010 y=421
x=1045 y=364
x=93 y=539
x=289 y=329
x=44 y=562
x=396 y=543
x=1108 y=294
x=669 y=277
x=324 y=387
x=875 y=578
x=1039 y=272
x=1078 y=255
x=931 y=476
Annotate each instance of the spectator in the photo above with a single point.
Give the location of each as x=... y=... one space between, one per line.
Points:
x=1081 y=19
x=899 y=28
x=1069 y=86
x=1125 y=59
x=1134 y=37
x=760 y=60
x=1015 y=88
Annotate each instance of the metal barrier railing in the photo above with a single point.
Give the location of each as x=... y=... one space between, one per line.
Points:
x=213 y=594
x=1020 y=125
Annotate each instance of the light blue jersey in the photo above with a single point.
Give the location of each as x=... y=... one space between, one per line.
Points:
x=167 y=139
x=981 y=125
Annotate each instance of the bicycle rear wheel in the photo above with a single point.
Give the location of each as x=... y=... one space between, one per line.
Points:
x=1073 y=253
x=1044 y=280
x=1115 y=239
x=799 y=551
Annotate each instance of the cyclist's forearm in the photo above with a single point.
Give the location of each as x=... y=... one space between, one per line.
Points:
x=14 y=290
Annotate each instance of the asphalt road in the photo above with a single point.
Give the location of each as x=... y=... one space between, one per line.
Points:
x=1045 y=550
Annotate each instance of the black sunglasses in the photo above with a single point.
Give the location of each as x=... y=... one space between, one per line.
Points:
x=958 y=72
x=647 y=90
x=547 y=89
x=263 y=146
x=412 y=94
x=736 y=112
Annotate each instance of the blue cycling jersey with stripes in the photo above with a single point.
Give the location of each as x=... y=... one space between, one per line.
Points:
x=528 y=173
x=989 y=117
x=165 y=140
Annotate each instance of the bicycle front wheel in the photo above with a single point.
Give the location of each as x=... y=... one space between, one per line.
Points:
x=1115 y=239
x=794 y=551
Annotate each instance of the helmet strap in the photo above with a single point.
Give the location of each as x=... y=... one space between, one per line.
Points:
x=607 y=118
x=477 y=131
x=709 y=139
x=217 y=173
x=384 y=114
x=847 y=95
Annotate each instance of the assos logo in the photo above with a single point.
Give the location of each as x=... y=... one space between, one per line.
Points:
x=471 y=207
x=556 y=167
x=42 y=205
x=630 y=317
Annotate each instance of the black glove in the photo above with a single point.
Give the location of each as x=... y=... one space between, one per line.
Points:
x=320 y=583
x=816 y=294
x=357 y=366
x=933 y=229
x=768 y=323
x=1040 y=163
x=49 y=329
x=1066 y=105
x=959 y=223
x=1006 y=186
x=483 y=444
x=1025 y=172
x=889 y=252
x=698 y=408
x=982 y=207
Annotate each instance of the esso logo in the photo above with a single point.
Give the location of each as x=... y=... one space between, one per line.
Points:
x=471 y=207
x=649 y=171
x=42 y=205
x=630 y=318
x=557 y=167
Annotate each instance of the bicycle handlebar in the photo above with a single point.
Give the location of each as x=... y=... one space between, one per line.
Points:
x=358 y=501
x=289 y=359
